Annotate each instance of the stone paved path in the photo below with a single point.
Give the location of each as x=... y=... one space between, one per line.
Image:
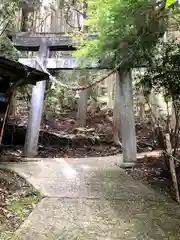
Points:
x=94 y=199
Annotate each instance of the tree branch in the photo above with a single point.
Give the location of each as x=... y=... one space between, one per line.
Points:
x=5 y=27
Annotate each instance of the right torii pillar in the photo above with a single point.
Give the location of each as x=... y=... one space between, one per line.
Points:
x=127 y=122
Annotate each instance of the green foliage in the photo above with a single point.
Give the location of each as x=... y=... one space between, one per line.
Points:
x=21 y=206
x=126 y=29
x=8 y=9
x=163 y=75
x=170 y=2
x=164 y=70
x=59 y=97
x=6 y=48
x=7 y=236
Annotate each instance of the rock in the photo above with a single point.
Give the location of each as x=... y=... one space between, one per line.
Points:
x=72 y=121
x=83 y=130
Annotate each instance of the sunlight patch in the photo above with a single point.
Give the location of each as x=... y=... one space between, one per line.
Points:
x=69 y=172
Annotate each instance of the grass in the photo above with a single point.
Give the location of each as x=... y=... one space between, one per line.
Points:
x=17 y=200
x=23 y=205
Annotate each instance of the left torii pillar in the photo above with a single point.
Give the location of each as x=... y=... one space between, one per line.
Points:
x=37 y=103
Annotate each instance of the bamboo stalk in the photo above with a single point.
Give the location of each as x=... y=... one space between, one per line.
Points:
x=172 y=167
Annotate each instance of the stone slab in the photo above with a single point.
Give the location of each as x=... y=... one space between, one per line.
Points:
x=82 y=219
x=92 y=198
x=83 y=178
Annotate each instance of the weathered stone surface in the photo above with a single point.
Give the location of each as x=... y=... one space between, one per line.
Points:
x=84 y=219
x=94 y=199
x=84 y=178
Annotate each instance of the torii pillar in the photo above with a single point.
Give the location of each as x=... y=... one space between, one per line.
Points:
x=37 y=103
x=127 y=122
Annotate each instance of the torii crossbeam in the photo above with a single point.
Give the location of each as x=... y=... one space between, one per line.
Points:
x=46 y=43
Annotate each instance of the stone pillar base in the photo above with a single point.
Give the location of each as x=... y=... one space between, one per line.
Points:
x=127 y=164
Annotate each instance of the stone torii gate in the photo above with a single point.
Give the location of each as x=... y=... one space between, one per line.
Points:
x=43 y=44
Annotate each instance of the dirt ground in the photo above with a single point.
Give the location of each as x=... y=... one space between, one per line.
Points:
x=152 y=171
x=17 y=199
x=58 y=139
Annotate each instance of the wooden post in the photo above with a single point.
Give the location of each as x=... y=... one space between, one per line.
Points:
x=37 y=102
x=127 y=123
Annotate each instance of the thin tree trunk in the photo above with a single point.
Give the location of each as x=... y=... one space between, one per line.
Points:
x=141 y=106
x=173 y=118
x=172 y=167
x=110 y=87
x=153 y=100
x=93 y=93
x=116 y=114
x=24 y=21
x=13 y=105
x=82 y=105
x=83 y=100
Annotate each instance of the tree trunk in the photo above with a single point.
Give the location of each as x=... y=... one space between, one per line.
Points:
x=116 y=114
x=82 y=105
x=173 y=118
x=93 y=93
x=141 y=106
x=24 y=21
x=110 y=86
x=37 y=102
x=172 y=167
x=127 y=123
x=83 y=100
x=154 y=104
x=13 y=105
